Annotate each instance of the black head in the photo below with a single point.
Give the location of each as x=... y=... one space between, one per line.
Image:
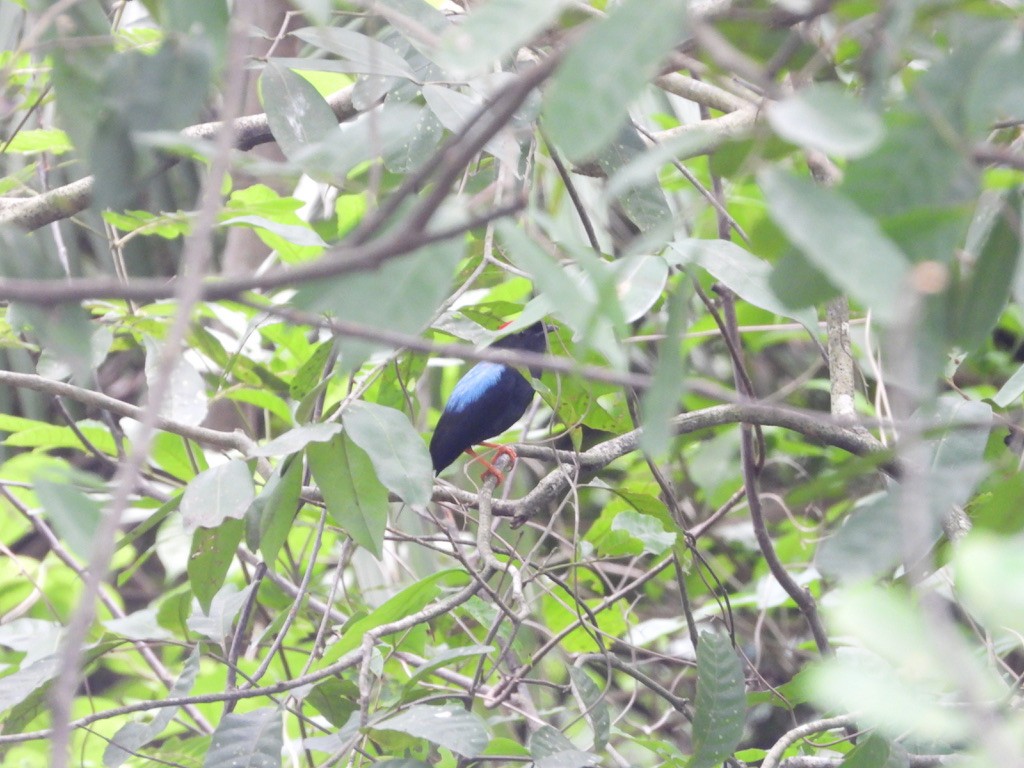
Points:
x=533 y=338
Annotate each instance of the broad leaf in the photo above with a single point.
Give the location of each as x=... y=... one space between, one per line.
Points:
x=842 y=241
x=606 y=70
x=355 y=498
x=719 y=707
x=254 y=740
x=825 y=117
x=398 y=453
x=448 y=726
x=219 y=493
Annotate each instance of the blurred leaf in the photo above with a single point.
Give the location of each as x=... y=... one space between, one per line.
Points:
x=981 y=298
x=293 y=233
x=743 y=273
x=212 y=551
x=958 y=455
x=221 y=492
x=186 y=400
x=494 y=31
x=828 y=118
x=426 y=136
x=875 y=752
x=550 y=749
x=594 y=705
x=74 y=515
x=410 y=600
x=861 y=261
x=400 y=295
x=335 y=699
x=398 y=453
x=360 y=53
x=647 y=530
x=639 y=281
x=133 y=736
x=22 y=683
x=633 y=179
x=454 y=110
x=216 y=621
x=206 y=22
x=296 y=112
x=28 y=141
x=63 y=331
x=867 y=545
x=719 y=708
x=294 y=440
x=990 y=579
x=270 y=517
x=254 y=739
x=444 y=661
x=661 y=400
x=371 y=135
x=356 y=500
x=1011 y=390
x=449 y=726
x=605 y=71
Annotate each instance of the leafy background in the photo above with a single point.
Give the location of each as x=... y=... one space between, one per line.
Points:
x=767 y=506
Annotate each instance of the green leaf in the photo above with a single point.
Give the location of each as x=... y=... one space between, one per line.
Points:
x=647 y=530
x=454 y=110
x=826 y=117
x=593 y=703
x=448 y=726
x=639 y=281
x=445 y=659
x=550 y=749
x=221 y=492
x=216 y=621
x=133 y=736
x=990 y=579
x=875 y=752
x=606 y=70
x=335 y=699
x=410 y=600
x=867 y=545
x=398 y=453
x=294 y=440
x=298 y=234
x=362 y=54
x=186 y=400
x=719 y=707
x=212 y=551
x=661 y=400
x=74 y=515
x=842 y=241
x=958 y=459
x=355 y=498
x=401 y=295
x=743 y=273
x=270 y=517
x=296 y=112
x=29 y=141
x=1011 y=390
x=494 y=31
x=981 y=298
x=254 y=739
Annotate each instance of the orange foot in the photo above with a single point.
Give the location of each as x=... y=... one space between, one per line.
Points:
x=499 y=450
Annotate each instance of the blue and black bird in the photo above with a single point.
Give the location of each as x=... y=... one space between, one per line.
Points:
x=488 y=400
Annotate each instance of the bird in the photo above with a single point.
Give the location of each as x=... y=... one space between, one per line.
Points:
x=489 y=399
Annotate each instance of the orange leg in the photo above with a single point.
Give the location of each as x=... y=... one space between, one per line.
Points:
x=506 y=450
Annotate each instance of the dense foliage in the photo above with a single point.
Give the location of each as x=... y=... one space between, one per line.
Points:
x=767 y=506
